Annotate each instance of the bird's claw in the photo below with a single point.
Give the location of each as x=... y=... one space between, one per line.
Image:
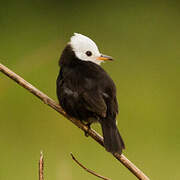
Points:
x=86 y=133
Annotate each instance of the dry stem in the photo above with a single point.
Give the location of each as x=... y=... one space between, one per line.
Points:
x=41 y=166
x=88 y=170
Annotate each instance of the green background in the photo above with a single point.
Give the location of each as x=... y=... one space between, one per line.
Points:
x=144 y=39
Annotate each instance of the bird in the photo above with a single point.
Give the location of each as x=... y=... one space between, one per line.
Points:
x=85 y=90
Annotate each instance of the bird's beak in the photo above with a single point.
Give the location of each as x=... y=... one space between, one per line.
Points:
x=105 y=58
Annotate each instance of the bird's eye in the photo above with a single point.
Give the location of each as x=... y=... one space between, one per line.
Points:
x=88 y=53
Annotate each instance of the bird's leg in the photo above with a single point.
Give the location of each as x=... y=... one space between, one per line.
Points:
x=89 y=127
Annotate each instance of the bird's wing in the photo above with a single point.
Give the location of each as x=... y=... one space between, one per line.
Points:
x=94 y=102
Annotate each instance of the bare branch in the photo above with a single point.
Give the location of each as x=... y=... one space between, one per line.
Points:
x=88 y=170
x=41 y=166
x=128 y=164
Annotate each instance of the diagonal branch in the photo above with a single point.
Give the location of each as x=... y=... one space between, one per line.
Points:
x=128 y=164
x=88 y=170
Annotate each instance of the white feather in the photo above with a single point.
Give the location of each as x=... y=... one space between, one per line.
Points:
x=81 y=44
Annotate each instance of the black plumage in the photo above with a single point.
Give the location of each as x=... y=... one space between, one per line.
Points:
x=85 y=91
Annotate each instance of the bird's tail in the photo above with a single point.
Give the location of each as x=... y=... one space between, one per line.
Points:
x=113 y=141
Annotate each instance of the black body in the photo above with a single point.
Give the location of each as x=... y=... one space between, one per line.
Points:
x=86 y=92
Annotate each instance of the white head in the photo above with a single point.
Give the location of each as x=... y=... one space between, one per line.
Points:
x=86 y=50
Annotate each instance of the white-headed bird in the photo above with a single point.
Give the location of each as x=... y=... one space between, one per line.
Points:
x=85 y=91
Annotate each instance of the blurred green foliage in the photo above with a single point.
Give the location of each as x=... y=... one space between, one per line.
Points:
x=143 y=37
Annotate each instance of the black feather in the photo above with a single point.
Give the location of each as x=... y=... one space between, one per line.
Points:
x=112 y=138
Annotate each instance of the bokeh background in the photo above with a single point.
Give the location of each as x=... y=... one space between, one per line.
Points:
x=144 y=39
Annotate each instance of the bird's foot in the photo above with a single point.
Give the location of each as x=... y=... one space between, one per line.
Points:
x=86 y=133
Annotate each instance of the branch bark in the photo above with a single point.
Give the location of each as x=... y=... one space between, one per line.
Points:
x=128 y=164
